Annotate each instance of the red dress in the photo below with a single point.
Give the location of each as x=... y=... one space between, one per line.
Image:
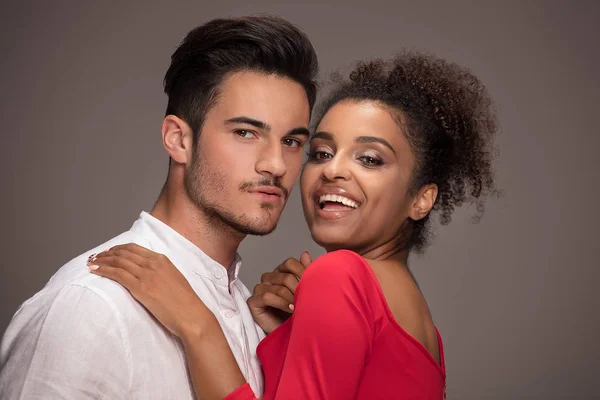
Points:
x=342 y=342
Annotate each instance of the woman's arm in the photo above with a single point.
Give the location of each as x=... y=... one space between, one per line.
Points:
x=213 y=369
x=156 y=283
x=272 y=301
x=331 y=333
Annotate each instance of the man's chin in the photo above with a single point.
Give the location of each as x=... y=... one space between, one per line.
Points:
x=260 y=232
x=260 y=224
x=257 y=227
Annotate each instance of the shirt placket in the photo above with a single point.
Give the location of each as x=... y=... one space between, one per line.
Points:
x=232 y=320
x=245 y=343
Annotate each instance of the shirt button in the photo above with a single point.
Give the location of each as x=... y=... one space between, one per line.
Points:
x=218 y=274
x=229 y=314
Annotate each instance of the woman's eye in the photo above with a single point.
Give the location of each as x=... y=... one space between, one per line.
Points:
x=319 y=155
x=244 y=133
x=371 y=161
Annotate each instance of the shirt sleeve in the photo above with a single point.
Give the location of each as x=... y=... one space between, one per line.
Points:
x=74 y=350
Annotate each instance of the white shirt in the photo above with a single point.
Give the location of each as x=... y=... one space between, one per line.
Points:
x=85 y=337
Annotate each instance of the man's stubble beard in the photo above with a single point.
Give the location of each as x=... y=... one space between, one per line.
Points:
x=198 y=181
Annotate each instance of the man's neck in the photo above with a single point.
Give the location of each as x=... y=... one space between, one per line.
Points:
x=175 y=209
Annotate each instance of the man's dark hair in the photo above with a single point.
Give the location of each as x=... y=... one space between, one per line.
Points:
x=219 y=47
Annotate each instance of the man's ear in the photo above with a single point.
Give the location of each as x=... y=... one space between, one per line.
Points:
x=423 y=202
x=177 y=138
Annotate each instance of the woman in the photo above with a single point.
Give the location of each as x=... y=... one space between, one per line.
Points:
x=395 y=142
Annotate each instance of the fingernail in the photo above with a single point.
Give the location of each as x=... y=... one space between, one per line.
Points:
x=291 y=306
x=91 y=258
x=93 y=267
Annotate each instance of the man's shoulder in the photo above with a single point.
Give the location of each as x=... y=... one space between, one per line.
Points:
x=76 y=271
x=74 y=303
x=73 y=280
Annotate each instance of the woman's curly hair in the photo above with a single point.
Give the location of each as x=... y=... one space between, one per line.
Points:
x=448 y=120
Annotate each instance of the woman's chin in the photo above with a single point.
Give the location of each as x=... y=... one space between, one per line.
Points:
x=331 y=241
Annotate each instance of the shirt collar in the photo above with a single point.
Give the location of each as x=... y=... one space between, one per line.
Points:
x=183 y=253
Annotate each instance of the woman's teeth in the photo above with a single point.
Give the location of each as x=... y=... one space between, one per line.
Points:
x=336 y=199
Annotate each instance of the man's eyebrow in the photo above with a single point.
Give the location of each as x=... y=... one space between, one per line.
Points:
x=374 y=139
x=250 y=121
x=264 y=126
x=299 y=131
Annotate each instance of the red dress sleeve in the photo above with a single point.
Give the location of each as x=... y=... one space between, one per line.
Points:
x=331 y=333
x=332 y=330
x=244 y=392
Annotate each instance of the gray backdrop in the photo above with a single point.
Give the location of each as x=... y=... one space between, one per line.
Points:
x=513 y=295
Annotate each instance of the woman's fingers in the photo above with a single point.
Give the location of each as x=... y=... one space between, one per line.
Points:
x=119 y=275
x=273 y=296
x=292 y=266
x=284 y=279
x=156 y=283
x=268 y=299
x=136 y=249
x=122 y=260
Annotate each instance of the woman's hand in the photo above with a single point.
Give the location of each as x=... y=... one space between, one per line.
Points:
x=272 y=301
x=156 y=283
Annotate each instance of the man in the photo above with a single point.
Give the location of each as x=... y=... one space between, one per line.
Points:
x=240 y=95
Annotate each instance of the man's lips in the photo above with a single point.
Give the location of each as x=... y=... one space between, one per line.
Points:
x=268 y=192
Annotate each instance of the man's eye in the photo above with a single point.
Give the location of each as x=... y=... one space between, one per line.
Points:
x=244 y=133
x=291 y=142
